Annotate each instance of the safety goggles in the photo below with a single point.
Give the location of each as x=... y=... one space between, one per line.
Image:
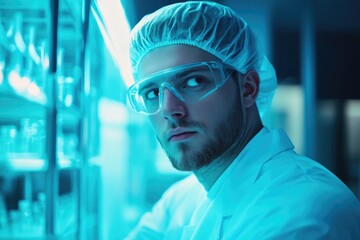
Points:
x=189 y=83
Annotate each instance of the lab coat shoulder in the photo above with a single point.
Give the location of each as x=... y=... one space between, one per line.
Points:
x=180 y=201
x=307 y=202
x=172 y=211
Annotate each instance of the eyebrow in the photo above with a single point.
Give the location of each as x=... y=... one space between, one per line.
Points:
x=189 y=72
x=181 y=74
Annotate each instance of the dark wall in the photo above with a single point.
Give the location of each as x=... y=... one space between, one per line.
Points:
x=337 y=45
x=338 y=65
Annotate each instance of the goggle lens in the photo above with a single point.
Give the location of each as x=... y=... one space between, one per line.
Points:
x=190 y=83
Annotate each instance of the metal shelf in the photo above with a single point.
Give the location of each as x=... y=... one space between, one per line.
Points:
x=27 y=162
x=44 y=42
x=14 y=106
x=69 y=116
x=66 y=223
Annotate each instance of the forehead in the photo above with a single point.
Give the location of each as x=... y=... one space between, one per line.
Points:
x=172 y=56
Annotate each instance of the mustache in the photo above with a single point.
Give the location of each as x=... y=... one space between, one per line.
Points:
x=179 y=123
x=184 y=123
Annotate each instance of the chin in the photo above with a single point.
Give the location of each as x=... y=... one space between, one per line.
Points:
x=181 y=165
x=184 y=158
x=186 y=164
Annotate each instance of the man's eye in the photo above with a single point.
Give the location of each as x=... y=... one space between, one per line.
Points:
x=194 y=82
x=152 y=94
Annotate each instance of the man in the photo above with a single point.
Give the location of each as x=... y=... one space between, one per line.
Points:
x=203 y=81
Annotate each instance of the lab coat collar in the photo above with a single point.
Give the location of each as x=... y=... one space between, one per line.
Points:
x=240 y=176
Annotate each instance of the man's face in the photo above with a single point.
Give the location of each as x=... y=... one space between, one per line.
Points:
x=194 y=134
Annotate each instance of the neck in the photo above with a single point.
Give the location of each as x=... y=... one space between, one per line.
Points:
x=209 y=174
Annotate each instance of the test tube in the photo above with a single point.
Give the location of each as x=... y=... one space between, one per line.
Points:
x=3 y=216
x=8 y=139
x=32 y=136
x=25 y=216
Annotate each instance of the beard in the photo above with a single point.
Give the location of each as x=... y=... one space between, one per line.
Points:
x=227 y=133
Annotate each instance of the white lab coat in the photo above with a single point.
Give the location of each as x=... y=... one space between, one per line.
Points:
x=268 y=192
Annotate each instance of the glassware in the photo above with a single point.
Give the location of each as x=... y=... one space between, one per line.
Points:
x=14 y=221
x=3 y=216
x=70 y=145
x=8 y=139
x=32 y=136
x=66 y=91
x=25 y=216
x=2 y=64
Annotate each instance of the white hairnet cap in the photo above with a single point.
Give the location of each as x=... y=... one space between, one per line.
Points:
x=212 y=27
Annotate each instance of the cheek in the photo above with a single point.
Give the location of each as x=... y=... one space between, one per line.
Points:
x=157 y=123
x=219 y=103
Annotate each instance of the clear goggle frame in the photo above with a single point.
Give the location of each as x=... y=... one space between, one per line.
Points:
x=189 y=83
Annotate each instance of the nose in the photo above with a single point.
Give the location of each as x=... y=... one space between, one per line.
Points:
x=172 y=107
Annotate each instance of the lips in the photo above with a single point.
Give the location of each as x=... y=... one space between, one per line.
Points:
x=180 y=134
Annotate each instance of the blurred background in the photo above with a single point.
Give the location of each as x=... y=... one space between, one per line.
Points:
x=77 y=163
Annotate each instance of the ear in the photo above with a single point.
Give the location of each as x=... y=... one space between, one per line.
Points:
x=251 y=85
